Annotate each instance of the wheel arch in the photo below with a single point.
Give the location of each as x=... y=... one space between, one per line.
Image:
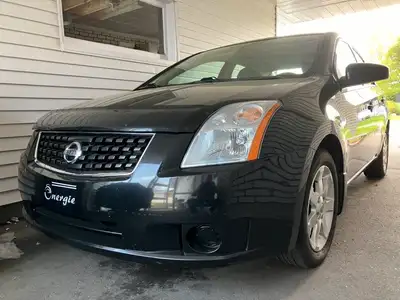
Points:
x=328 y=138
x=388 y=127
x=331 y=143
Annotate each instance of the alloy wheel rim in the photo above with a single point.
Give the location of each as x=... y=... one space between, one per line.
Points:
x=321 y=203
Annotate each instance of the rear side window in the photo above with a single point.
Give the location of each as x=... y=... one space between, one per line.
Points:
x=344 y=57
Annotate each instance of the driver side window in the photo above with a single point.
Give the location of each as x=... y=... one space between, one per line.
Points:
x=344 y=57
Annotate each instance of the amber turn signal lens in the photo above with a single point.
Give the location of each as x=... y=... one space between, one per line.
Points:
x=259 y=136
x=249 y=114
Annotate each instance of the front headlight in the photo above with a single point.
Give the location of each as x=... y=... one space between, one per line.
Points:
x=234 y=133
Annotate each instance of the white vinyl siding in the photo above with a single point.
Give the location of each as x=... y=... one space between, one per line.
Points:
x=38 y=75
x=213 y=23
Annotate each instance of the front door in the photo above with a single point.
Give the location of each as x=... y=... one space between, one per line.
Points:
x=355 y=105
x=378 y=112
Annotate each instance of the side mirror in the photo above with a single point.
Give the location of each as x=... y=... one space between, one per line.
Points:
x=361 y=73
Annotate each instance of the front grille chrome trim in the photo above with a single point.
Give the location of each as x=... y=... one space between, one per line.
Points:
x=92 y=174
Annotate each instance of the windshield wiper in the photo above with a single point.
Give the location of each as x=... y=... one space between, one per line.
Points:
x=265 y=77
x=215 y=79
x=149 y=86
x=207 y=79
x=274 y=77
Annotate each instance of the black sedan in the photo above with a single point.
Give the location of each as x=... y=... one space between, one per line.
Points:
x=234 y=152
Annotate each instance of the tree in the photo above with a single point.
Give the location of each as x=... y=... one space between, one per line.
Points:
x=391 y=87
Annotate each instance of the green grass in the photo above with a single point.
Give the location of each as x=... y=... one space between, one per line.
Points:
x=366 y=126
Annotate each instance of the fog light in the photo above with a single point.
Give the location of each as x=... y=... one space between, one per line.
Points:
x=203 y=239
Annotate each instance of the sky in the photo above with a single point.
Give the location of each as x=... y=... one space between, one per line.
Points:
x=365 y=30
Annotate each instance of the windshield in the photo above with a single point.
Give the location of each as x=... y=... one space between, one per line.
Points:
x=285 y=57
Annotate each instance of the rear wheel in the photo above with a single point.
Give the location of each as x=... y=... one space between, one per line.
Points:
x=378 y=168
x=318 y=216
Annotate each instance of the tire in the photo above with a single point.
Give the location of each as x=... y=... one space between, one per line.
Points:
x=378 y=168
x=306 y=254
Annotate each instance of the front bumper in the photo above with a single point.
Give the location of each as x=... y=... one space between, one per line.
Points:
x=149 y=215
x=74 y=237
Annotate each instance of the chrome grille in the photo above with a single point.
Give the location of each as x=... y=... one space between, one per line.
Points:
x=100 y=152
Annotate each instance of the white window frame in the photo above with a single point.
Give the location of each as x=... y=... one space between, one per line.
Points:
x=170 y=39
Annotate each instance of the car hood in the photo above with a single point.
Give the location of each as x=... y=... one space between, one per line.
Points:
x=180 y=108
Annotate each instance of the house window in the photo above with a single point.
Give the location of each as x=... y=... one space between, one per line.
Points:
x=140 y=25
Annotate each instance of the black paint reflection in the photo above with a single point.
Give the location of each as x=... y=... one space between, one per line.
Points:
x=205 y=197
x=122 y=197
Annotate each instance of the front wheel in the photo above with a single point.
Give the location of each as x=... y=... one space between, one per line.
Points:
x=378 y=168
x=318 y=216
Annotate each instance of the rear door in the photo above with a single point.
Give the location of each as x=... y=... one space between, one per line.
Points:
x=353 y=105
x=377 y=113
